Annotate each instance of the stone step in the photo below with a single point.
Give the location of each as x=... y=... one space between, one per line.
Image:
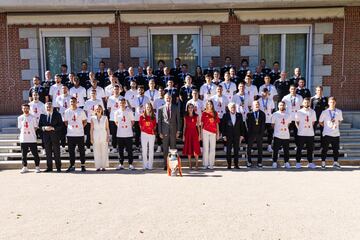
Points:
x=219 y=163
x=10 y=130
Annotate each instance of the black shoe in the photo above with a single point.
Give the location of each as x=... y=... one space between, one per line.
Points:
x=83 y=169
x=98 y=170
x=236 y=167
x=228 y=167
x=48 y=170
x=248 y=164
x=70 y=169
x=259 y=165
x=58 y=170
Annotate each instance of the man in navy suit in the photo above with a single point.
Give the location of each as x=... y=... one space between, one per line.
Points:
x=51 y=124
x=233 y=134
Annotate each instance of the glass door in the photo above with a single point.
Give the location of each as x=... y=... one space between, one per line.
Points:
x=296 y=54
x=55 y=53
x=162 y=49
x=79 y=52
x=188 y=50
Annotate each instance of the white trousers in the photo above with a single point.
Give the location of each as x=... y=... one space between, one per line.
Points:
x=209 y=148
x=147 y=145
x=101 y=154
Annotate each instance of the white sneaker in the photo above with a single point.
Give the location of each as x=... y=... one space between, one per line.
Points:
x=43 y=152
x=336 y=165
x=312 y=165
x=298 y=165
x=114 y=150
x=205 y=167
x=131 y=167
x=287 y=165
x=62 y=150
x=269 y=149
x=323 y=164
x=24 y=170
x=87 y=151
x=274 y=165
x=119 y=167
x=37 y=169
x=211 y=167
x=225 y=149
x=158 y=150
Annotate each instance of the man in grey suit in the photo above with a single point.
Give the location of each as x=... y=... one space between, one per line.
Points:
x=169 y=126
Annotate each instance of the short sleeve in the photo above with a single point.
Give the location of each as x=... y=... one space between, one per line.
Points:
x=322 y=117
x=340 y=116
x=273 y=119
x=83 y=115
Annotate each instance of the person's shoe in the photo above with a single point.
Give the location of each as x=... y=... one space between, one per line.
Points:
x=43 y=152
x=37 y=169
x=131 y=167
x=58 y=170
x=336 y=165
x=269 y=149
x=248 y=164
x=136 y=150
x=259 y=165
x=287 y=165
x=98 y=170
x=323 y=164
x=83 y=169
x=211 y=167
x=298 y=165
x=120 y=167
x=62 y=150
x=48 y=170
x=274 y=165
x=236 y=167
x=312 y=165
x=103 y=169
x=158 y=150
x=205 y=167
x=87 y=151
x=114 y=150
x=24 y=170
x=229 y=167
x=70 y=169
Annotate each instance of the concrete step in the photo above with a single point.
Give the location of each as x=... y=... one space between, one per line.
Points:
x=10 y=130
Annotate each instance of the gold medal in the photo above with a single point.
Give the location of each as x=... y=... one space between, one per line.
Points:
x=257 y=122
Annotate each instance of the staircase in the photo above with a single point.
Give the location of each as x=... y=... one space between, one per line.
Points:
x=10 y=154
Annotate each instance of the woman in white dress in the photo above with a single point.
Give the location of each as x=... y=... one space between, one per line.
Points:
x=99 y=132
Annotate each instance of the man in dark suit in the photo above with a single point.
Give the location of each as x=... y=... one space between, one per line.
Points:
x=255 y=121
x=169 y=126
x=51 y=124
x=233 y=134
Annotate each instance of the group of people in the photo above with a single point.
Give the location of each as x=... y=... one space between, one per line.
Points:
x=149 y=108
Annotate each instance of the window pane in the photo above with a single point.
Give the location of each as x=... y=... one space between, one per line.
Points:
x=296 y=52
x=55 y=53
x=188 y=50
x=80 y=52
x=270 y=48
x=162 y=47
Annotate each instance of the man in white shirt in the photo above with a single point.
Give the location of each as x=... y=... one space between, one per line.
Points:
x=90 y=111
x=293 y=104
x=113 y=105
x=55 y=90
x=331 y=119
x=100 y=93
x=139 y=106
x=110 y=88
x=305 y=119
x=78 y=92
x=217 y=79
x=124 y=120
x=28 y=125
x=36 y=106
x=63 y=101
x=267 y=106
x=131 y=94
x=241 y=101
x=152 y=93
x=208 y=89
x=250 y=90
x=271 y=88
x=75 y=121
x=229 y=88
x=220 y=104
x=280 y=121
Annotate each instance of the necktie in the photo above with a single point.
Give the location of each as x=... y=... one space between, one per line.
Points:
x=49 y=118
x=168 y=111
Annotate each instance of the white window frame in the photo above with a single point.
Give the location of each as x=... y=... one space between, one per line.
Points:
x=174 y=31
x=292 y=29
x=66 y=33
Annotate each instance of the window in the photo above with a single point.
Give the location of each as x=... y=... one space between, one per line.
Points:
x=71 y=47
x=289 y=45
x=168 y=44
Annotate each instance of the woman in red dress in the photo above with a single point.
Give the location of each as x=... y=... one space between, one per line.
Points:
x=191 y=136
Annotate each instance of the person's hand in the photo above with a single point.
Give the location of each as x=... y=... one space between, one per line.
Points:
x=92 y=140
x=183 y=138
x=241 y=139
x=217 y=136
x=161 y=136
x=107 y=138
x=224 y=138
x=177 y=134
x=48 y=128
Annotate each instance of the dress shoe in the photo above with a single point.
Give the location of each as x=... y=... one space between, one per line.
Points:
x=83 y=169
x=70 y=169
x=48 y=170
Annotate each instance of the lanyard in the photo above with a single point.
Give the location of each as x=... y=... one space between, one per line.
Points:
x=256 y=115
x=141 y=102
x=227 y=87
x=264 y=103
x=152 y=94
x=209 y=89
x=332 y=116
x=242 y=99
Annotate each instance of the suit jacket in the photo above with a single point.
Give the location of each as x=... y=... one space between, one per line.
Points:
x=56 y=122
x=169 y=125
x=251 y=123
x=233 y=131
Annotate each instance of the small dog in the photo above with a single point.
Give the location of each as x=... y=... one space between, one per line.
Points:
x=174 y=163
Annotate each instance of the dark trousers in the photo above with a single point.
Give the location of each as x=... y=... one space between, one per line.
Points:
x=63 y=135
x=137 y=133
x=232 y=142
x=113 y=131
x=293 y=130
x=52 y=147
x=309 y=141
x=269 y=132
x=125 y=143
x=87 y=133
x=278 y=143
x=72 y=143
x=258 y=137
x=25 y=147
x=335 y=144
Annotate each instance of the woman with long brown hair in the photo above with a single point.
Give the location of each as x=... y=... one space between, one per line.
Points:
x=147 y=124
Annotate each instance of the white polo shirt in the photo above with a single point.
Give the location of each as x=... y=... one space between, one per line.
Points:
x=90 y=107
x=75 y=118
x=293 y=104
x=109 y=90
x=207 y=91
x=113 y=104
x=241 y=103
x=305 y=119
x=100 y=93
x=152 y=95
x=158 y=103
x=140 y=106
x=80 y=94
x=27 y=126
x=130 y=96
x=220 y=104
x=271 y=88
x=281 y=121
x=124 y=119
x=229 y=89
x=63 y=103
x=36 y=109
x=54 y=92
x=251 y=92
x=267 y=106
x=331 y=128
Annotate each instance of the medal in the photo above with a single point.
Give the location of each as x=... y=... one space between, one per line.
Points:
x=188 y=91
x=152 y=95
x=227 y=87
x=264 y=103
x=141 y=101
x=332 y=117
x=242 y=99
x=208 y=89
x=256 y=116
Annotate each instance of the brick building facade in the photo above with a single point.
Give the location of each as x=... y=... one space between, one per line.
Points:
x=333 y=50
